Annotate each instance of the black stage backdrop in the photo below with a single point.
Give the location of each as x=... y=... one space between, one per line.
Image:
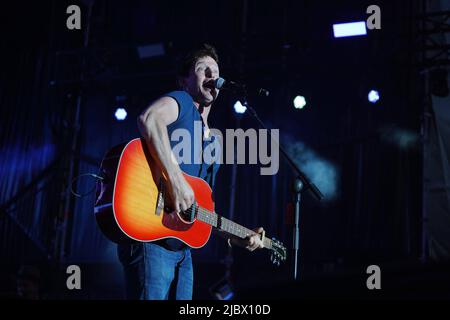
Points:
x=365 y=157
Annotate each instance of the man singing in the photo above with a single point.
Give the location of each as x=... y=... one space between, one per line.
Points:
x=152 y=269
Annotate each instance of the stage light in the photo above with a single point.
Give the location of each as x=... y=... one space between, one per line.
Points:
x=373 y=96
x=299 y=102
x=239 y=108
x=120 y=114
x=349 y=29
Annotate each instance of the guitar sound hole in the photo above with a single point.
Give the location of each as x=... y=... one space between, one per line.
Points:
x=189 y=214
x=172 y=221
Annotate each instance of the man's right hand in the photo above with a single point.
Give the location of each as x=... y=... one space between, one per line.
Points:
x=181 y=193
x=152 y=124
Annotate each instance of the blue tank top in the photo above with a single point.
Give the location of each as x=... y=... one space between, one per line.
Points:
x=192 y=128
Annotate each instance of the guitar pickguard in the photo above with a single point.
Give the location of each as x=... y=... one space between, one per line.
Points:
x=170 y=219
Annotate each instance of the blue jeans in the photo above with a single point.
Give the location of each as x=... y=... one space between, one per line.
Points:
x=155 y=273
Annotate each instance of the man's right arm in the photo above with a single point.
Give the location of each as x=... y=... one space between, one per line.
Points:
x=152 y=124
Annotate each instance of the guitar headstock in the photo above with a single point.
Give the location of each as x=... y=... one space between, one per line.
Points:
x=278 y=252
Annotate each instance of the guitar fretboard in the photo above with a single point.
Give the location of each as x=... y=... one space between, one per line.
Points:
x=228 y=226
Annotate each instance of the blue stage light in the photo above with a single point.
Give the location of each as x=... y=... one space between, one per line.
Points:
x=120 y=114
x=349 y=29
x=239 y=108
x=373 y=96
x=299 y=102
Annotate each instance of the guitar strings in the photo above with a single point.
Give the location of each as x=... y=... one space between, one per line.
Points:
x=198 y=208
x=205 y=211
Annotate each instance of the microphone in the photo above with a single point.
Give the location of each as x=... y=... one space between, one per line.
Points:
x=222 y=84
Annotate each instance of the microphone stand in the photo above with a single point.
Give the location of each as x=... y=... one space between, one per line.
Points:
x=300 y=183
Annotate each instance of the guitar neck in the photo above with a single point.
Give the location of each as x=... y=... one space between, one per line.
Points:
x=228 y=226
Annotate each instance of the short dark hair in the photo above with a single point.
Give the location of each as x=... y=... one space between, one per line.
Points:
x=189 y=60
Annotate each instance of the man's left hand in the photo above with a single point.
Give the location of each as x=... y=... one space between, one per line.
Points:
x=254 y=242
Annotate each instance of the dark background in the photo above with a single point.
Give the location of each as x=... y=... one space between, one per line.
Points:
x=367 y=158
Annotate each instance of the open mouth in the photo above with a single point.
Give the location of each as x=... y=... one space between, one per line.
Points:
x=209 y=84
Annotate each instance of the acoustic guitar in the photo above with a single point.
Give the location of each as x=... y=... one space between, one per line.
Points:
x=130 y=204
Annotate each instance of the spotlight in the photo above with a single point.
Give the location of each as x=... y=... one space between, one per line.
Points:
x=299 y=102
x=120 y=114
x=349 y=29
x=239 y=108
x=373 y=96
